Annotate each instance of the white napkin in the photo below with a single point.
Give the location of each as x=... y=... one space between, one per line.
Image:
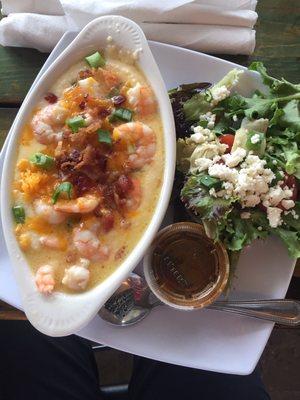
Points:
x=213 y=26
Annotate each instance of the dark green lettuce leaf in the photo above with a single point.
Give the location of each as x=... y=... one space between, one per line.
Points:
x=291 y=239
x=290 y=221
x=237 y=233
x=277 y=87
x=290 y=115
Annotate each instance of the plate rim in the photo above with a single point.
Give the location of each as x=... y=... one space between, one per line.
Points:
x=250 y=368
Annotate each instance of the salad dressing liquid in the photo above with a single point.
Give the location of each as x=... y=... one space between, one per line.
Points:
x=187 y=269
x=184 y=266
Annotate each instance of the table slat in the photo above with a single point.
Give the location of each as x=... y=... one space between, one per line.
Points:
x=7 y=116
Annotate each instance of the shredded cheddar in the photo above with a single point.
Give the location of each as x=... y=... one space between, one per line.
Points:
x=32 y=183
x=24 y=165
x=38 y=224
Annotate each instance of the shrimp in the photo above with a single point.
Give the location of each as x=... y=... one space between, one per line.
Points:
x=44 y=279
x=141 y=99
x=134 y=196
x=77 y=276
x=47 y=212
x=89 y=246
x=81 y=205
x=109 y=78
x=53 y=242
x=48 y=122
x=140 y=140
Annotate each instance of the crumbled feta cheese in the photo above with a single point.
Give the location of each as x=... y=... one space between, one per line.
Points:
x=274 y=162
x=245 y=215
x=210 y=118
x=219 y=94
x=202 y=135
x=223 y=172
x=277 y=194
x=212 y=192
x=259 y=228
x=287 y=204
x=227 y=186
x=234 y=158
x=203 y=163
x=249 y=183
x=255 y=138
x=251 y=200
x=274 y=216
x=294 y=214
x=234 y=117
x=211 y=151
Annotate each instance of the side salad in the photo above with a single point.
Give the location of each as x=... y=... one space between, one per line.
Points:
x=241 y=160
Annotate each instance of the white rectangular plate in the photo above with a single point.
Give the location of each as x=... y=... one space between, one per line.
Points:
x=205 y=339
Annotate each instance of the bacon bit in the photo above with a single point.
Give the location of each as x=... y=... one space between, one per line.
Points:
x=108 y=193
x=93 y=163
x=66 y=161
x=108 y=222
x=86 y=73
x=81 y=183
x=51 y=98
x=124 y=185
x=118 y=100
x=104 y=113
x=120 y=253
x=82 y=105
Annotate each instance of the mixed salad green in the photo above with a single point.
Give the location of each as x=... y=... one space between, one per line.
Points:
x=240 y=159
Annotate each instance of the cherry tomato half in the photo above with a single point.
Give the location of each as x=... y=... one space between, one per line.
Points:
x=228 y=139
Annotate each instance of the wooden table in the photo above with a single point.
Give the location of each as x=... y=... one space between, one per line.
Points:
x=278 y=46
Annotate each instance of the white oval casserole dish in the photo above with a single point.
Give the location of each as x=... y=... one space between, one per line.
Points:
x=63 y=314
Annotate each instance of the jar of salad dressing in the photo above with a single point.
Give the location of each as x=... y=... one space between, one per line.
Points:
x=184 y=268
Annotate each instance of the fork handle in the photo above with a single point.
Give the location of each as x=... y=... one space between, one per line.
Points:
x=284 y=312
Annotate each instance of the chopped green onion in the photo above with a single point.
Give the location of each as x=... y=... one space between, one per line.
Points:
x=19 y=214
x=65 y=187
x=104 y=136
x=95 y=60
x=122 y=114
x=42 y=160
x=75 y=123
x=210 y=182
